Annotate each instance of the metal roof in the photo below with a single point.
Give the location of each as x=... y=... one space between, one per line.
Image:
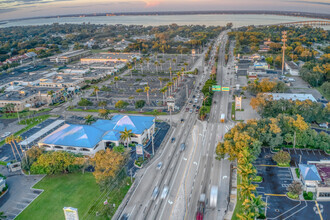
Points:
x=309 y=172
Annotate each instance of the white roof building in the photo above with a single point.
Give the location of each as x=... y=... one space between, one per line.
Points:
x=292 y=96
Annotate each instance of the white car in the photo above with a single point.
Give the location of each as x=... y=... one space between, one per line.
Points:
x=159 y=165
x=164 y=193
x=5 y=134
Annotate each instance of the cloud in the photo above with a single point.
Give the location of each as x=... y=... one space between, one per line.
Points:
x=310 y=2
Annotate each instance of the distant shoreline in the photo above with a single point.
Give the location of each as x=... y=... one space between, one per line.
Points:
x=163 y=13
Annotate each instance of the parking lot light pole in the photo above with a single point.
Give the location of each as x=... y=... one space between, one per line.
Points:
x=266 y=205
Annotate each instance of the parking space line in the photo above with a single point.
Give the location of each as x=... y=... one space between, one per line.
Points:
x=318 y=209
x=267 y=194
x=319 y=152
x=313 y=152
x=307 y=152
x=301 y=152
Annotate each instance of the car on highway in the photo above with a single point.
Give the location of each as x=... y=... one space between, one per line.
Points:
x=194 y=106
x=159 y=165
x=182 y=120
x=196 y=100
x=182 y=147
x=173 y=140
x=194 y=96
x=125 y=216
x=197 y=107
x=190 y=101
x=187 y=109
x=190 y=110
x=164 y=193
x=155 y=193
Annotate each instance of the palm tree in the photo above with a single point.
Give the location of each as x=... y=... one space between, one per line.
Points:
x=169 y=84
x=170 y=73
x=185 y=65
x=103 y=113
x=160 y=81
x=8 y=140
x=156 y=64
x=246 y=170
x=129 y=66
x=175 y=82
x=96 y=91
x=116 y=78
x=134 y=60
x=126 y=136
x=246 y=189
x=148 y=60
x=50 y=93
x=179 y=76
x=154 y=113
x=174 y=61
x=161 y=64
x=18 y=139
x=254 y=205
x=147 y=89
x=141 y=64
x=89 y=119
x=246 y=216
x=163 y=90
x=182 y=70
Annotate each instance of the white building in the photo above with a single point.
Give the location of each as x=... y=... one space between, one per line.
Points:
x=292 y=68
x=88 y=139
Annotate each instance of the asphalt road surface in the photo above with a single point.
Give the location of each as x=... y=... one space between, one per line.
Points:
x=193 y=171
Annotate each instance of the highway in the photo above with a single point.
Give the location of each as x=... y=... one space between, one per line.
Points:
x=192 y=171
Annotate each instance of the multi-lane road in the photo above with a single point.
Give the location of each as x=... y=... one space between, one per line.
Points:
x=194 y=170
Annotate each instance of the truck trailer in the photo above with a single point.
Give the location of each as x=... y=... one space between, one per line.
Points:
x=222 y=118
x=200 y=207
x=214 y=196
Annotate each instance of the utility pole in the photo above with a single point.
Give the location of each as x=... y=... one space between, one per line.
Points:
x=187 y=94
x=283 y=49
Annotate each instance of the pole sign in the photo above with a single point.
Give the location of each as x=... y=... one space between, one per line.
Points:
x=70 y=213
x=225 y=88
x=216 y=88
x=139 y=149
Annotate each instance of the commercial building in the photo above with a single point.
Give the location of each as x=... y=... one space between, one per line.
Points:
x=88 y=139
x=292 y=96
x=69 y=56
x=315 y=176
x=109 y=58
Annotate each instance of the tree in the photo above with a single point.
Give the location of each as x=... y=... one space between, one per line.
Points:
x=139 y=91
x=129 y=66
x=246 y=189
x=254 y=205
x=85 y=102
x=96 y=91
x=295 y=188
x=163 y=90
x=106 y=164
x=202 y=112
x=160 y=81
x=116 y=79
x=2 y=215
x=8 y=140
x=103 y=113
x=140 y=104
x=102 y=104
x=89 y=119
x=147 y=89
x=185 y=66
x=55 y=162
x=31 y=155
x=126 y=136
x=121 y=104
x=282 y=157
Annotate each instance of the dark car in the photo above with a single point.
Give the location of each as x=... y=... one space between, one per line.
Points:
x=124 y=216
x=190 y=101
x=173 y=139
x=187 y=109
x=194 y=106
x=194 y=96
x=182 y=120
x=197 y=107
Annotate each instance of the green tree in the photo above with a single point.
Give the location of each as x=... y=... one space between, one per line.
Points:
x=103 y=113
x=282 y=157
x=121 y=104
x=147 y=89
x=140 y=104
x=102 y=104
x=85 y=102
x=126 y=136
x=96 y=91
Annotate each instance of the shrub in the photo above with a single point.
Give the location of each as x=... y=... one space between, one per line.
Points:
x=308 y=196
x=292 y=196
x=297 y=172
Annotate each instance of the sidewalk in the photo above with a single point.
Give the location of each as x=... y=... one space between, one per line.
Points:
x=295 y=178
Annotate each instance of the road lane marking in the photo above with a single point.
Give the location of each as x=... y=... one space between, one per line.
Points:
x=318 y=208
x=265 y=165
x=267 y=194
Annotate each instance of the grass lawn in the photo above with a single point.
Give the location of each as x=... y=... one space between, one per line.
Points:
x=116 y=111
x=239 y=206
x=73 y=190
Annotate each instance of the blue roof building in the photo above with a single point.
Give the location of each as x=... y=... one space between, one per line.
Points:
x=309 y=172
x=88 y=139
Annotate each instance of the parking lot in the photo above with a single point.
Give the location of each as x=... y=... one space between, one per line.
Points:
x=276 y=180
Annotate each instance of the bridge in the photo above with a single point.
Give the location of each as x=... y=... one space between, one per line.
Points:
x=307 y=23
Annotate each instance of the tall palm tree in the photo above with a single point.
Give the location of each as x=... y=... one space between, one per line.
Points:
x=134 y=60
x=179 y=75
x=161 y=64
x=17 y=140
x=163 y=90
x=89 y=119
x=160 y=81
x=185 y=65
x=148 y=60
x=174 y=61
x=96 y=91
x=126 y=136
x=156 y=64
x=175 y=82
x=116 y=78
x=170 y=73
x=129 y=66
x=103 y=113
x=8 y=140
x=141 y=64
x=154 y=113
x=169 y=84
x=182 y=71
x=147 y=89
x=246 y=170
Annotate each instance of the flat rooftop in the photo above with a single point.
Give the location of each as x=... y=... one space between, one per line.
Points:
x=292 y=96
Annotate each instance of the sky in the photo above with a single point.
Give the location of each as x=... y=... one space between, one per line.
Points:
x=11 y=9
